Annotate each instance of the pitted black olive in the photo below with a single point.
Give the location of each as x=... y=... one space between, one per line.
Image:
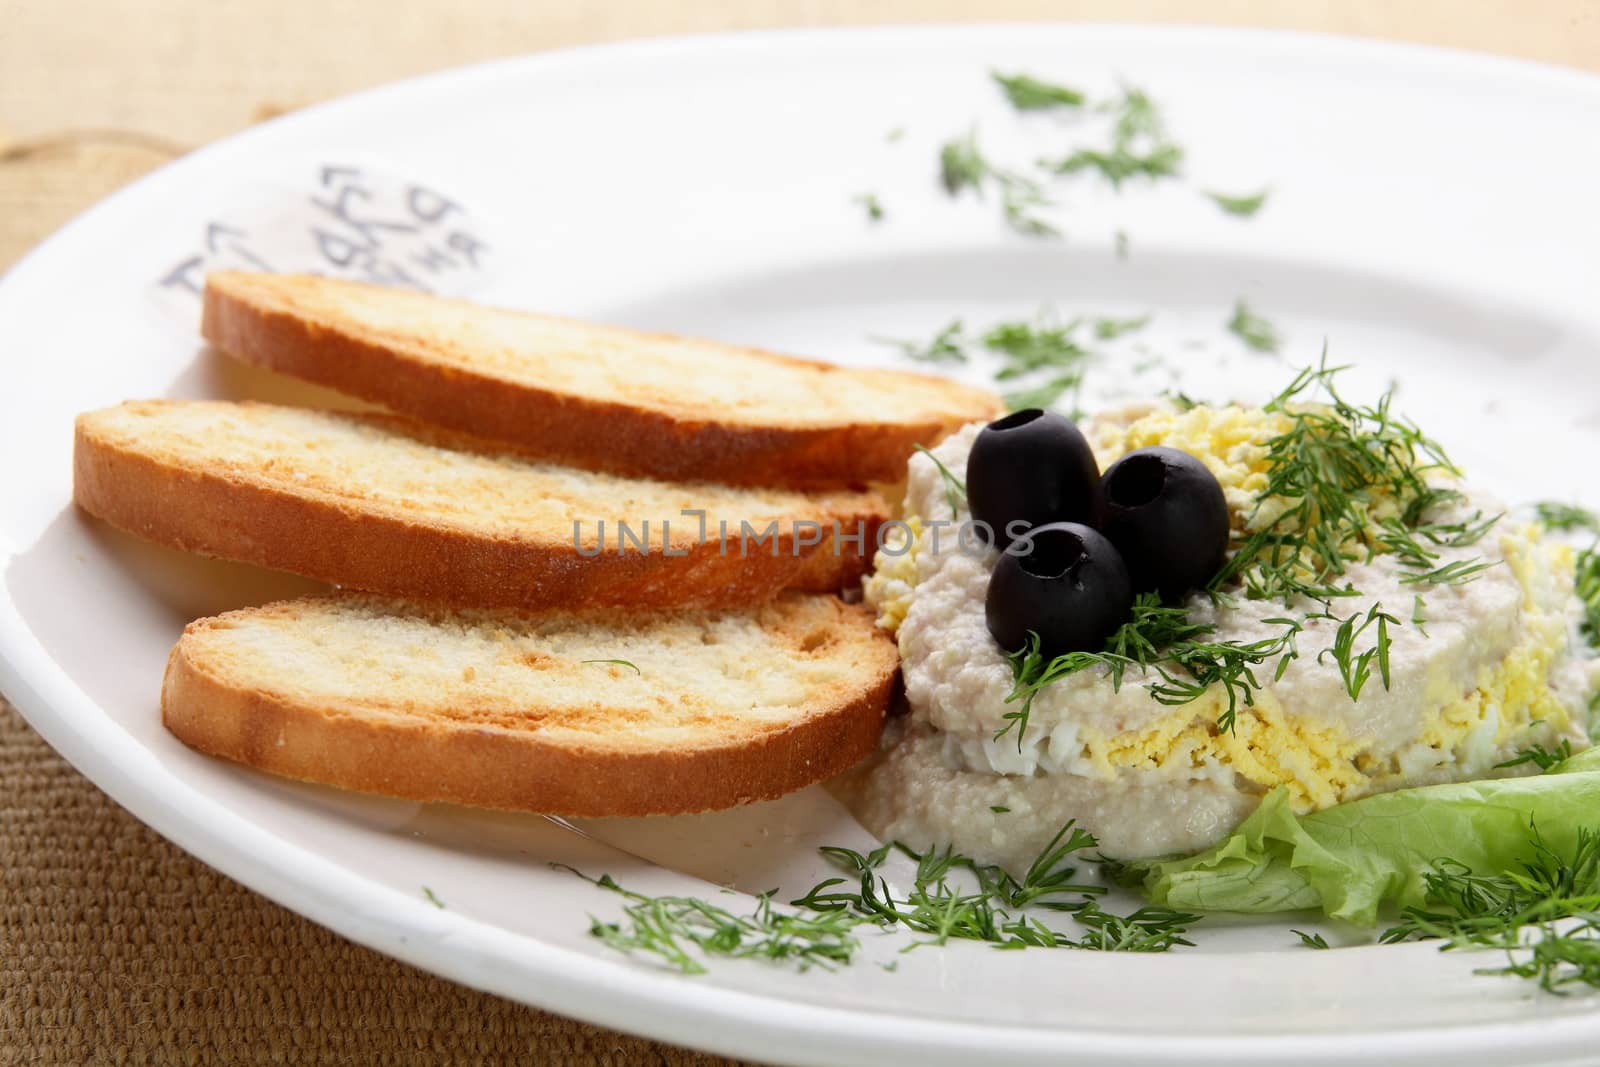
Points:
x=1026 y=470
x=1166 y=514
x=1063 y=582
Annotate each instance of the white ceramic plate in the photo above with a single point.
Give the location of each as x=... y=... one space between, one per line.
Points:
x=1432 y=215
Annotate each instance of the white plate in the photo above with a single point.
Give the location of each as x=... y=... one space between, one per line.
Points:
x=1432 y=215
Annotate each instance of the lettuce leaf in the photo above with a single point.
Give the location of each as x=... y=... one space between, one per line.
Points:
x=1353 y=859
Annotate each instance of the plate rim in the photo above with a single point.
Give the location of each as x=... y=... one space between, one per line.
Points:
x=617 y=993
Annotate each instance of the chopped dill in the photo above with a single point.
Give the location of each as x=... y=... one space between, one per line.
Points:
x=1110 y=329
x=1033 y=346
x=949 y=345
x=987 y=904
x=871 y=205
x=1539 y=756
x=955 y=490
x=1418 y=619
x=1045 y=352
x=952 y=897
x=1256 y=332
x=616 y=663
x=1163 y=641
x=1242 y=206
x=1356 y=667
x=1587 y=587
x=1044 y=395
x=1474 y=911
x=1028 y=93
x=1139 y=145
x=1566 y=518
x=999 y=809
x=667 y=926
x=963 y=166
x=432 y=899
x=1310 y=940
x=1326 y=475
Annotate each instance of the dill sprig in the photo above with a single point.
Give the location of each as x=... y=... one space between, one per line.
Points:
x=955 y=490
x=1242 y=206
x=1028 y=93
x=1541 y=757
x=1046 y=357
x=615 y=663
x=1164 y=641
x=1587 y=586
x=1566 y=518
x=1329 y=476
x=1109 y=329
x=871 y=205
x=1256 y=332
x=1355 y=668
x=1310 y=940
x=1139 y=145
x=952 y=897
x=1496 y=911
x=963 y=166
x=667 y=926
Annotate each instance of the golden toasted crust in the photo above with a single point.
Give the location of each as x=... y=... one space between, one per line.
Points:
x=395 y=743
x=293 y=324
x=204 y=508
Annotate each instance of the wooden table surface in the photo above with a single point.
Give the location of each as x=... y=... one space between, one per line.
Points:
x=115 y=947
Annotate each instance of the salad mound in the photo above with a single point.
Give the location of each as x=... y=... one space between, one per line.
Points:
x=1378 y=624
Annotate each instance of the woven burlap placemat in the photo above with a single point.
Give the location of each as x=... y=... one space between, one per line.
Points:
x=116 y=947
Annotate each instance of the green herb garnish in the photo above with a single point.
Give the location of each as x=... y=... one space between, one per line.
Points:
x=1163 y=641
x=1139 y=145
x=871 y=204
x=616 y=663
x=1045 y=352
x=952 y=897
x=1310 y=940
x=963 y=166
x=1356 y=667
x=1111 y=329
x=1587 y=587
x=1567 y=518
x=1473 y=911
x=1539 y=756
x=1327 y=474
x=1256 y=332
x=949 y=345
x=666 y=926
x=955 y=490
x=1028 y=93
x=1242 y=206
x=435 y=901
x=987 y=903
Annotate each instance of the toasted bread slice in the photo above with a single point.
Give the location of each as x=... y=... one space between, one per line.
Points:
x=383 y=504
x=527 y=711
x=593 y=396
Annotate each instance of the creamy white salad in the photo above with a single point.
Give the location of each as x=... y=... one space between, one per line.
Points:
x=1479 y=658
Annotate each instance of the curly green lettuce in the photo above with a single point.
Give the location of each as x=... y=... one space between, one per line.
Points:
x=1354 y=859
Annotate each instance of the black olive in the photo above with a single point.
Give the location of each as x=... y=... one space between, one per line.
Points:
x=1063 y=582
x=1167 y=516
x=1028 y=469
